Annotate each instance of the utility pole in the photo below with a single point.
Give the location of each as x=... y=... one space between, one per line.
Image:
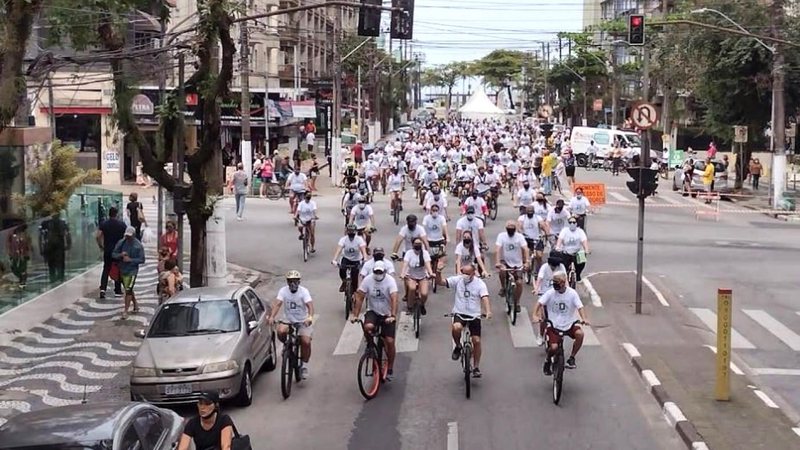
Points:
x=391 y=96
x=336 y=140
x=162 y=94
x=644 y=162
x=360 y=106
x=177 y=169
x=245 y=144
x=267 y=149
x=778 y=105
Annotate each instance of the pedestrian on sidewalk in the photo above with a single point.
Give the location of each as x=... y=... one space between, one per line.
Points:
x=549 y=163
x=111 y=231
x=238 y=185
x=313 y=173
x=169 y=241
x=569 y=166
x=266 y=173
x=708 y=179
x=136 y=214
x=130 y=252
x=170 y=281
x=755 y=172
x=54 y=243
x=712 y=151
x=19 y=252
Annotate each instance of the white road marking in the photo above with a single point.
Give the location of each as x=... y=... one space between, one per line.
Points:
x=349 y=340
x=619 y=196
x=452 y=436
x=631 y=349
x=673 y=413
x=699 y=446
x=589 y=338
x=796 y=430
x=651 y=378
x=709 y=318
x=765 y=398
x=522 y=334
x=670 y=199
x=776 y=371
x=734 y=367
x=655 y=290
x=405 y=341
x=779 y=330
x=597 y=302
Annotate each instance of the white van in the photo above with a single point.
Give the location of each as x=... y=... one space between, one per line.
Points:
x=604 y=138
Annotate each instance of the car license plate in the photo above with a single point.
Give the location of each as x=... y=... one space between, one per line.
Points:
x=178 y=389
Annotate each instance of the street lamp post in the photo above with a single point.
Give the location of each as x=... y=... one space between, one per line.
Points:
x=777 y=103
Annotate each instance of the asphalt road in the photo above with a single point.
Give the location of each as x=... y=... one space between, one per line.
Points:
x=604 y=404
x=754 y=255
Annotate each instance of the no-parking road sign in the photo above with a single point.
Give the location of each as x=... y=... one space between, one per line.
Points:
x=644 y=115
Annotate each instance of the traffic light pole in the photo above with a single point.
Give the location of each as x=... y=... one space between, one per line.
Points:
x=640 y=231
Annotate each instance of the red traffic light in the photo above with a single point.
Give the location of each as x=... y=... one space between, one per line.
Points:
x=636 y=21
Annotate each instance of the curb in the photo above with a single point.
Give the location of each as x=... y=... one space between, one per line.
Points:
x=790 y=216
x=672 y=412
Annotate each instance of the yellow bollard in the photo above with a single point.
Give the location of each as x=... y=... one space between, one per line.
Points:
x=724 y=315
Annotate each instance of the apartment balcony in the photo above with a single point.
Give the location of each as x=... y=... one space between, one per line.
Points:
x=286 y=72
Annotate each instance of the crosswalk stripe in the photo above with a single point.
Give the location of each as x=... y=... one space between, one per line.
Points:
x=709 y=318
x=522 y=334
x=349 y=340
x=589 y=337
x=779 y=330
x=405 y=341
x=670 y=199
x=619 y=196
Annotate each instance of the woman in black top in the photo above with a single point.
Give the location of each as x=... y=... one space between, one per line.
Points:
x=134 y=206
x=209 y=430
x=569 y=166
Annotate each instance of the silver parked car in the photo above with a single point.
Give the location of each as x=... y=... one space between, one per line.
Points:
x=100 y=426
x=720 y=177
x=204 y=339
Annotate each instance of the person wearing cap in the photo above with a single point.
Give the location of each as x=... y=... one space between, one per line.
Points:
x=209 y=429
x=511 y=254
x=130 y=252
x=378 y=255
x=298 y=308
x=470 y=222
x=407 y=235
x=380 y=292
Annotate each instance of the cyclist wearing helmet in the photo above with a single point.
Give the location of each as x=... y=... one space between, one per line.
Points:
x=353 y=250
x=350 y=173
x=349 y=200
x=298 y=308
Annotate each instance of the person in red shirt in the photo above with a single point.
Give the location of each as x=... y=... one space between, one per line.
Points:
x=358 y=153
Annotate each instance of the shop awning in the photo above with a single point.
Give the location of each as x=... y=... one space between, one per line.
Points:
x=98 y=110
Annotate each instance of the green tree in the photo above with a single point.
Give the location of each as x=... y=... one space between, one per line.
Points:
x=501 y=68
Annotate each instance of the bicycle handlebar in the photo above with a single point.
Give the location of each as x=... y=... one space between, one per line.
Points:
x=465 y=317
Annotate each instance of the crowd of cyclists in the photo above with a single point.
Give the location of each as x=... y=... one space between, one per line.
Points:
x=459 y=171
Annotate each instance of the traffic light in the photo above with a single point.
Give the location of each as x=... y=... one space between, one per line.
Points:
x=636 y=29
x=403 y=21
x=645 y=181
x=369 y=19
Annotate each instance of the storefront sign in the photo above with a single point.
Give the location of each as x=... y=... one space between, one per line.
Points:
x=112 y=161
x=142 y=105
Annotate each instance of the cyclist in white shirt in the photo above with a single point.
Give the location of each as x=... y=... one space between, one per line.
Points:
x=406 y=236
x=297 y=184
x=544 y=282
x=472 y=223
x=511 y=252
x=478 y=204
x=364 y=219
x=564 y=308
x=378 y=255
x=435 y=225
x=557 y=217
x=307 y=214
x=579 y=205
x=525 y=196
x=572 y=240
x=471 y=298
x=380 y=292
x=416 y=272
x=468 y=251
x=436 y=197
x=371 y=170
x=534 y=229
x=298 y=308
x=353 y=250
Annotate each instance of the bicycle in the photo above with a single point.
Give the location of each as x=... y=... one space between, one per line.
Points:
x=466 y=350
x=436 y=253
x=348 y=290
x=373 y=364
x=275 y=191
x=558 y=362
x=509 y=291
x=572 y=276
x=492 y=204
x=398 y=206
x=535 y=263
x=305 y=234
x=291 y=363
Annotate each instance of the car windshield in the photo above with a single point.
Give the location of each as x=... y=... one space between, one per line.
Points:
x=99 y=445
x=193 y=318
x=633 y=139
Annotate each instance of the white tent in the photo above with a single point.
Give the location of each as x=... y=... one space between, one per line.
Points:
x=480 y=107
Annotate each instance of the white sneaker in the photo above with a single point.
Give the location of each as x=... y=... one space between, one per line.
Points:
x=304 y=372
x=539 y=341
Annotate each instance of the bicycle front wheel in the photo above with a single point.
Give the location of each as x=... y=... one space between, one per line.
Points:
x=558 y=376
x=286 y=373
x=466 y=354
x=305 y=247
x=369 y=375
x=416 y=318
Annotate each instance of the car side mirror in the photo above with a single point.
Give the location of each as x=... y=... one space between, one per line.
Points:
x=139 y=334
x=252 y=325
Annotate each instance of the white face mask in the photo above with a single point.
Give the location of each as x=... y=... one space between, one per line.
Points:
x=573 y=226
x=470 y=216
x=362 y=205
x=379 y=276
x=435 y=213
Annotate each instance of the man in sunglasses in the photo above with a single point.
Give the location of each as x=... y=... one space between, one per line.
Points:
x=564 y=308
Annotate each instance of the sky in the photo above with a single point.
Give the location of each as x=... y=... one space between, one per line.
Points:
x=465 y=30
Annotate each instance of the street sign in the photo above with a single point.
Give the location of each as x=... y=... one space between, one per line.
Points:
x=597 y=105
x=740 y=134
x=594 y=192
x=676 y=158
x=644 y=116
x=545 y=111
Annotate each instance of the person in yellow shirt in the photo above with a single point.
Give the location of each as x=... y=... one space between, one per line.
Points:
x=708 y=178
x=548 y=164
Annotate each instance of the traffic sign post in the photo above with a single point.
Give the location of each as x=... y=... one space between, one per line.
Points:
x=644 y=116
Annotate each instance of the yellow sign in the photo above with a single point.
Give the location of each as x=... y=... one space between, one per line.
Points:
x=595 y=192
x=724 y=316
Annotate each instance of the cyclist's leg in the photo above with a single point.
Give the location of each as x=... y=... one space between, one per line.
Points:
x=518 y=290
x=282 y=330
x=312 y=227
x=354 y=275
x=423 y=286
x=306 y=333
x=576 y=333
x=342 y=273
x=370 y=322
x=411 y=289
x=388 y=332
x=475 y=332
x=578 y=269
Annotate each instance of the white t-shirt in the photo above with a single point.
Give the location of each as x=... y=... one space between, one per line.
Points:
x=541 y=210
x=310 y=138
x=366 y=268
x=557 y=220
x=430 y=200
x=512 y=248
x=360 y=217
x=295 y=304
x=378 y=294
x=297 y=182
x=526 y=196
x=478 y=203
x=351 y=248
x=464 y=224
x=468 y=295
x=395 y=182
x=572 y=240
x=409 y=236
x=307 y=210
x=416 y=271
x=579 y=206
x=464 y=254
x=562 y=309
x=545 y=277
x=530 y=226
x=434 y=227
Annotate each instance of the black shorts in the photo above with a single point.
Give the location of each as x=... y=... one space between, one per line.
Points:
x=570 y=171
x=387 y=329
x=535 y=244
x=474 y=325
x=537 y=171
